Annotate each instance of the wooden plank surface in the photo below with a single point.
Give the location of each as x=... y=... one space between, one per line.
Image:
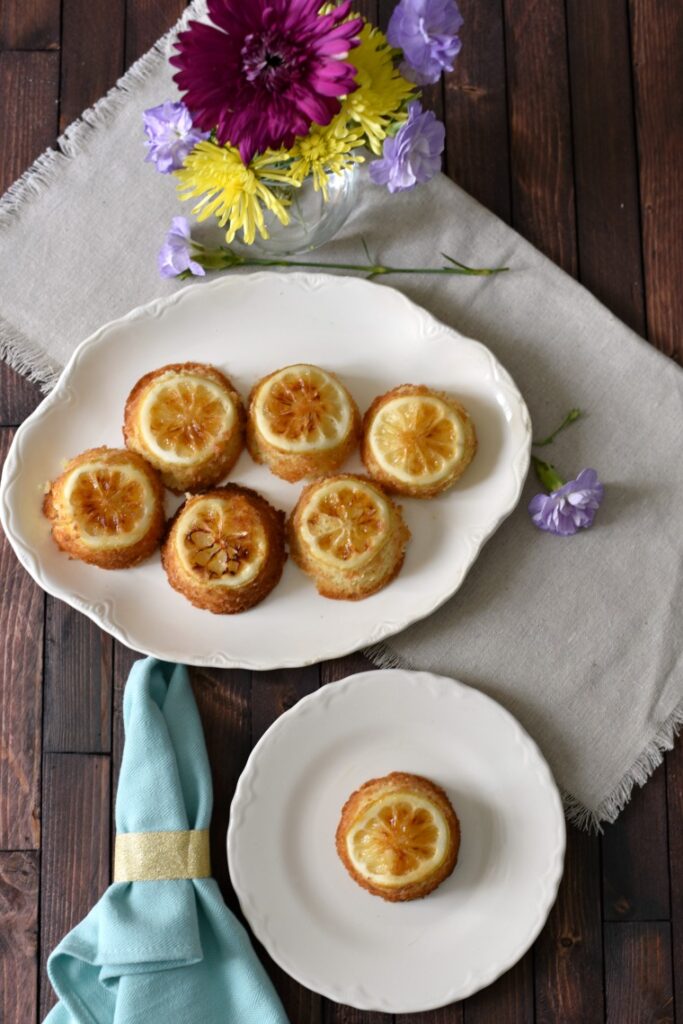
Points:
x=639 y=983
x=76 y=848
x=565 y=119
x=29 y=89
x=657 y=41
x=21 y=652
x=19 y=894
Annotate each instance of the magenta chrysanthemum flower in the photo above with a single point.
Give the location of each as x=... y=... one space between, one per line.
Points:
x=265 y=69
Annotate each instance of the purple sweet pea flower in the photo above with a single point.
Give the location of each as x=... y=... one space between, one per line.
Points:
x=569 y=508
x=175 y=254
x=170 y=135
x=427 y=32
x=413 y=155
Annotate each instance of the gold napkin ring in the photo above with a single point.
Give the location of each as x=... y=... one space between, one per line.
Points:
x=151 y=856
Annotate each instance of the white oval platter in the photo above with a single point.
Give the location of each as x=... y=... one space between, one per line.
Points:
x=249 y=325
x=333 y=936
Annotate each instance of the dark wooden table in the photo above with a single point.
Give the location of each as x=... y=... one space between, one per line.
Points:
x=567 y=121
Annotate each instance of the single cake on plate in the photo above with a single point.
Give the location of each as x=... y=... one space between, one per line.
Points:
x=398 y=836
x=417 y=442
x=225 y=549
x=188 y=421
x=107 y=508
x=302 y=422
x=348 y=535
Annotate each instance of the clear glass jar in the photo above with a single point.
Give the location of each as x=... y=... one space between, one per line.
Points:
x=313 y=220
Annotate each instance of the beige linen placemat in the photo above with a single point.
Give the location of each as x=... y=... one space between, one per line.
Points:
x=579 y=637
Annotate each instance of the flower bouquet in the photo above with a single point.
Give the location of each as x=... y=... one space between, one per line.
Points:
x=285 y=96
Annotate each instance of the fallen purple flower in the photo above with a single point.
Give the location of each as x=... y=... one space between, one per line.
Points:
x=571 y=507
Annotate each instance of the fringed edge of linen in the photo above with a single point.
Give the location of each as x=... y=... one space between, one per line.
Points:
x=16 y=349
x=586 y=818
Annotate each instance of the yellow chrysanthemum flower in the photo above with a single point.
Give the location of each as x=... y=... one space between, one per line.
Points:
x=382 y=90
x=326 y=149
x=236 y=193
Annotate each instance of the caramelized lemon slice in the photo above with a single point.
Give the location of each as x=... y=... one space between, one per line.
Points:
x=221 y=542
x=302 y=409
x=417 y=439
x=183 y=417
x=400 y=839
x=345 y=523
x=112 y=505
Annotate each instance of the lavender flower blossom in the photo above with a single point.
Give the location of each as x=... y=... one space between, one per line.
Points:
x=413 y=155
x=570 y=507
x=427 y=32
x=175 y=255
x=170 y=135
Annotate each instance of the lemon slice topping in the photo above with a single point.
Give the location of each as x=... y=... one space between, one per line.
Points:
x=111 y=504
x=416 y=438
x=183 y=417
x=221 y=541
x=302 y=409
x=399 y=839
x=345 y=523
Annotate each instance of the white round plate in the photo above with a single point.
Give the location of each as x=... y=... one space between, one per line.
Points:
x=319 y=925
x=248 y=326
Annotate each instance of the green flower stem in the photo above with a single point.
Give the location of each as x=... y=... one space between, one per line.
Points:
x=572 y=416
x=225 y=258
x=547 y=474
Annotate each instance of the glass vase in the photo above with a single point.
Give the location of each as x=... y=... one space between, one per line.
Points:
x=312 y=220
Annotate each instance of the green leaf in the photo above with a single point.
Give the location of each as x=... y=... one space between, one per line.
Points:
x=547 y=474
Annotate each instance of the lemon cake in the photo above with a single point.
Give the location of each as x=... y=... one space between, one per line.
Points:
x=188 y=421
x=225 y=549
x=107 y=508
x=398 y=836
x=417 y=442
x=348 y=535
x=302 y=422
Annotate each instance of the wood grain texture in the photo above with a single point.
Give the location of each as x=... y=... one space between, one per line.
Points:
x=657 y=41
x=510 y=1000
x=453 y=1014
x=223 y=698
x=635 y=863
x=77 y=682
x=29 y=84
x=638 y=973
x=674 y=790
x=568 y=954
x=19 y=886
x=75 y=850
x=30 y=25
x=147 y=21
x=92 y=53
x=477 y=151
x=540 y=127
x=605 y=157
x=21 y=661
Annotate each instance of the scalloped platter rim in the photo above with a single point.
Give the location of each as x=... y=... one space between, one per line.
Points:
x=249 y=325
x=327 y=932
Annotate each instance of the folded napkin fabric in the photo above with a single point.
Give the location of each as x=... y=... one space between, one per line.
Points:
x=164 y=949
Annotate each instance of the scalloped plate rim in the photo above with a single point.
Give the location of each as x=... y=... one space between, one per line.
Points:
x=245 y=792
x=103 y=615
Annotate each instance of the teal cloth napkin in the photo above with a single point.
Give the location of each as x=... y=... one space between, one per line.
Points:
x=161 y=951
